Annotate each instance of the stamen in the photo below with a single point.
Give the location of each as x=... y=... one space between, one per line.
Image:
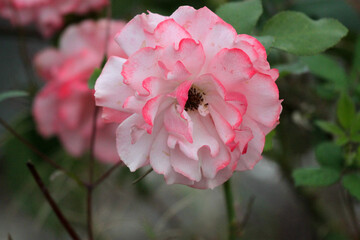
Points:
x=195 y=99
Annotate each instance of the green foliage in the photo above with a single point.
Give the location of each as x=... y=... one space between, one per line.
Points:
x=315 y=177
x=12 y=94
x=328 y=154
x=345 y=111
x=269 y=140
x=351 y=182
x=335 y=236
x=330 y=128
x=327 y=68
x=94 y=76
x=297 y=67
x=266 y=41
x=296 y=33
x=243 y=16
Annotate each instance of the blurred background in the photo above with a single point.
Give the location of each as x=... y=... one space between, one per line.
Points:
x=266 y=197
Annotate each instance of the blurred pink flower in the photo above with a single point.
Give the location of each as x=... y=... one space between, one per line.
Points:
x=46 y=14
x=65 y=106
x=200 y=98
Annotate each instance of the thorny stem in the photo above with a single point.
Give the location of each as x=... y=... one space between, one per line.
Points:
x=230 y=210
x=91 y=185
x=38 y=152
x=52 y=203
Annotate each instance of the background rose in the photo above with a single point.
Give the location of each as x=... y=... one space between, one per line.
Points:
x=46 y=14
x=65 y=106
x=200 y=97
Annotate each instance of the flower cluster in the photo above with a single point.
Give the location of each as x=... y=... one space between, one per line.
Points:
x=197 y=98
x=46 y=14
x=65 y=106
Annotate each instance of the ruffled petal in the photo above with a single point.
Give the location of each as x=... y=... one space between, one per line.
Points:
x=185 y=166
x=133 y=37
x=110 y=84
x=140 y=66
x=134 y=153
x=167 y=32
x=201 y=138
x=189 y=53
x=255 y=147
x=177 y=124
x=262 y=96
x=231 y=66
x=197 y=22
x=160 y=160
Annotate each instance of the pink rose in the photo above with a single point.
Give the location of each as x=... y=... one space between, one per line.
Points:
x=65 y=106
x=199 y=97
x=46 y=14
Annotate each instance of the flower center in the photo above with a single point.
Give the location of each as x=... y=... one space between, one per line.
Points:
x=195 y=99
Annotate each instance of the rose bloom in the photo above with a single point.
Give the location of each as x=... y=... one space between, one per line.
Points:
x=46 y=14
x=65 y=106
x=197 y=98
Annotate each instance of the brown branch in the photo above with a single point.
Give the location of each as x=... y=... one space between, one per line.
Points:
x=143 y=176
x=106 y=174
x=9 y=237
x=52 y=203
x=38 y=152
x=91 y=176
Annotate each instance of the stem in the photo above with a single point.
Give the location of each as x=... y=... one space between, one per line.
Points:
x=230 y=210
x=106 y=174
x=91 y=176
x=142 y=176
x=89 y=212
x=42 y=155
x=52 y=203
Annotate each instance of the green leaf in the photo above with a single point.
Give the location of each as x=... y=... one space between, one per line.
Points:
x=351 y=182
x=330 y=128
x=266 y=41
x=296 y=33
x=243 y=16
x=345 y=111
x=315 y=177
x=12 y=94
x=328 y=154
x=291 y=68
x=327 y=68
x=342 y=140
x=269 y=141
x=94 y=76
